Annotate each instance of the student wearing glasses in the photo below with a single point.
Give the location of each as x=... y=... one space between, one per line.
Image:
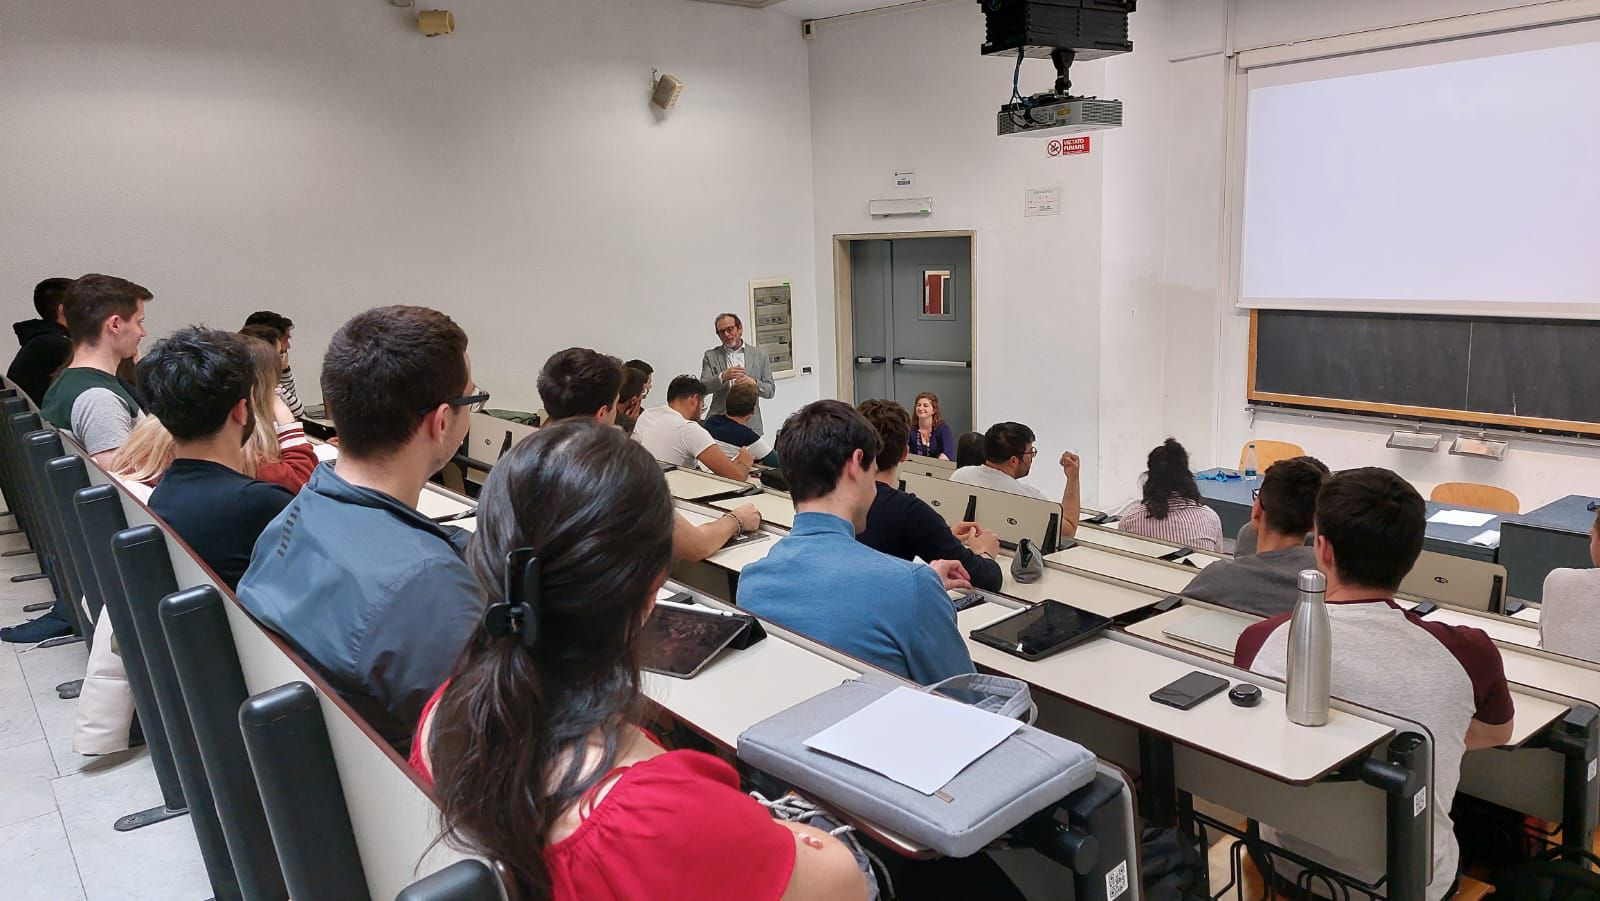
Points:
x=364 y=587
x=1008 y=454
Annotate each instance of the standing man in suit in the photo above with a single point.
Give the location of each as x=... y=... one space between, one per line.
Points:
x=732 y=362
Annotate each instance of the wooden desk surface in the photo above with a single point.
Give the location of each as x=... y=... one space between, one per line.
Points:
x=1079 y=591
x=1116 y=679
x=1534 y=713
x=774 y=509
x=1499 y=628
x=736 y=558
x=1138 y=570
x=1107 y=536
x=436 y=501
x=688 y=484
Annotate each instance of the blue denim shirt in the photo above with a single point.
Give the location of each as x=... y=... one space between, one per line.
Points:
x=372 y=593
x=821 y=582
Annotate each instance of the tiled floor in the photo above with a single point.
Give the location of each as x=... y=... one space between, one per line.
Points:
x=57 y=807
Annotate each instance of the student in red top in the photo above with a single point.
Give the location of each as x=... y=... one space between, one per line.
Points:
x=1370 y=525
x=532 y=744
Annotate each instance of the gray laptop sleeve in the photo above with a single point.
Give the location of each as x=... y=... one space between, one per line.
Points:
x=1024 y=774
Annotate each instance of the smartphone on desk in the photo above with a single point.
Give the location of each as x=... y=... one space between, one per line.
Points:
x=1046 y=628
x=1187 y=692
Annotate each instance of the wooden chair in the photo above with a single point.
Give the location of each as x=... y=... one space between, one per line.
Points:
x=1269 y=452
x=1474 y=494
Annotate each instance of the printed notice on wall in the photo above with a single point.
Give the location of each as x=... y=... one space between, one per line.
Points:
x=772 y=316
x=1042 y=202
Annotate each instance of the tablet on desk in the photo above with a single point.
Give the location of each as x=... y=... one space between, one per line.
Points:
x=679 y=640
x=1045 y=628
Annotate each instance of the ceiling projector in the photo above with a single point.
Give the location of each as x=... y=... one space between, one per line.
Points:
x=1064 y=32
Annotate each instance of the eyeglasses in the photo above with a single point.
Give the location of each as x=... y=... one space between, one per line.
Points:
x=727 y=330
x=474 y=402
x=1030 y=452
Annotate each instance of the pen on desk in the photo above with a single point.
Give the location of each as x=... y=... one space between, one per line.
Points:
x=452 y=517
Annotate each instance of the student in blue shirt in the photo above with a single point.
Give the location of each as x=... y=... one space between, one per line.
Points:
x=821 y=582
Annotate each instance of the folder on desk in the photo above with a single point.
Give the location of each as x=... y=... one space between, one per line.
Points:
x=1210 y=629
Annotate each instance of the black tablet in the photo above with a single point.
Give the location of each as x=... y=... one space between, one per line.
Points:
x=680 y=640
x=1041 y=630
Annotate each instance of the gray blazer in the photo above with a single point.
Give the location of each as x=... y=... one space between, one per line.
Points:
x=757 y=365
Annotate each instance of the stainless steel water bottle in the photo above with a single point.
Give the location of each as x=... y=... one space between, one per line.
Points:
x=1310 y=664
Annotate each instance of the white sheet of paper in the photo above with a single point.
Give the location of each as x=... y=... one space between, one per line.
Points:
x=1460 y=518
x=916 y=739
x=327 y=453
x=1486 y=538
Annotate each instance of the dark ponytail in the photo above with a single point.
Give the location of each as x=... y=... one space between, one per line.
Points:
x=1167 y=476
x=596 y=512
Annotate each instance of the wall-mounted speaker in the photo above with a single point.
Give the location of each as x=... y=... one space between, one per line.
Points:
x=434 y=22
x=668 y=89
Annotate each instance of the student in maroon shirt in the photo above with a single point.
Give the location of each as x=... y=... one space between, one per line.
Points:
x=1451 y=679
x=531 y=745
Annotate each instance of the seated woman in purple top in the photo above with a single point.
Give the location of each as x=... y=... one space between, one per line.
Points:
x=930 y=434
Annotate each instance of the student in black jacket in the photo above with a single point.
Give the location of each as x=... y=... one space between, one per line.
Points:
x=198 y=383
x=45 y=343
x=902 y=525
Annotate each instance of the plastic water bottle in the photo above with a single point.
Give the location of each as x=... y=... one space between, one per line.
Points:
x=1250 y=460
x=1310 y=668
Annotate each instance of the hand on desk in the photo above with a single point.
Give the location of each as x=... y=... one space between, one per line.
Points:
x=952 y=574
x=748 y=516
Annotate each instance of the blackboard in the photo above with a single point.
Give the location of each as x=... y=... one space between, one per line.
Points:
x=1529 y=374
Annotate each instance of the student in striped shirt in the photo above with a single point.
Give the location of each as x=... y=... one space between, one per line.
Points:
x=285 y=327
x=1170 y=509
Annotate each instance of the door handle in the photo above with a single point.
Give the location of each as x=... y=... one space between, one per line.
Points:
x=913 y=361
x=860 y=360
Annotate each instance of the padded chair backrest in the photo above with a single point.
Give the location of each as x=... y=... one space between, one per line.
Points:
x=1269 y=452
x=928 y=466
x=490 y=436
x=1476 y=494
x=393 y=818
x=1461 y=581
x=949 y=499
x=39 y=447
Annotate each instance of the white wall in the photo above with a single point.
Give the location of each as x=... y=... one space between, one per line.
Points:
x=1208 y=411
x=1107 y=328
x=322 y=158
x=909 y=90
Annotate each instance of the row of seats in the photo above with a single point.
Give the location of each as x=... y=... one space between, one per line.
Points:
x=243 y=736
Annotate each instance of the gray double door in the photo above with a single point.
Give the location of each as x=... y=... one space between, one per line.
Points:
x=911 y=305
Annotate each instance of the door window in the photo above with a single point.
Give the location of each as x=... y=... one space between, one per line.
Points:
x=936 y=300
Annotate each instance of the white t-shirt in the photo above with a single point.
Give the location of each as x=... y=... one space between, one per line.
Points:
x=670 y=438
x=989 y=477
x=1567 y=621
x=736 y=357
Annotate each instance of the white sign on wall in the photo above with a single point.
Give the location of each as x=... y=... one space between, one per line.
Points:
x=1042 y=202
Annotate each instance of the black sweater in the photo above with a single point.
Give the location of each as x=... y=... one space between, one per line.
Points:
x=902 y=525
